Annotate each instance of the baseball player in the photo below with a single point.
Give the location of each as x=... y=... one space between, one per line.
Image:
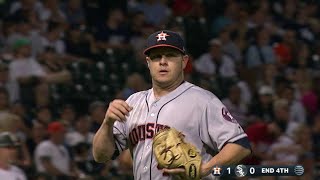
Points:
x=171 y=102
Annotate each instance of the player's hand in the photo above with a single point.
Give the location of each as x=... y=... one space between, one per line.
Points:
x=117 y=111
x=205 y=170
x=174 y=171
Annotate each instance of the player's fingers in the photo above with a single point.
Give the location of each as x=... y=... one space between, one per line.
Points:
x=173 y=171
x=113 y=117
x=118 y=104
x=122 y=108
x=117 y=113
x=123 y=104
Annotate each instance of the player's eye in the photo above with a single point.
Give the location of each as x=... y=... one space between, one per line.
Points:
x=171 y=54
x=155 y=56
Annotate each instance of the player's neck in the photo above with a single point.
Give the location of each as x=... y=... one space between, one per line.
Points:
x=160 y=90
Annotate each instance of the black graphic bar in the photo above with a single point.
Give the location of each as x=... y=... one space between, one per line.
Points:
x=250 y=170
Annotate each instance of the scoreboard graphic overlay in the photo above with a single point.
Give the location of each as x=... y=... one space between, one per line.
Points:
x=251 y=170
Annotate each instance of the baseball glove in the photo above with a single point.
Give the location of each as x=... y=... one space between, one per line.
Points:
x=171 y=151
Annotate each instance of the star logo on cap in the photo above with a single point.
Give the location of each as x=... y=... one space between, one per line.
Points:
x=162 y=36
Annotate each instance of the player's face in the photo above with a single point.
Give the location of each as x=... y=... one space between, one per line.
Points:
x=166 y=66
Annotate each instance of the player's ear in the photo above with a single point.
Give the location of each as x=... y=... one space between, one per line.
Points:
x=147 y=60
x=185 y=59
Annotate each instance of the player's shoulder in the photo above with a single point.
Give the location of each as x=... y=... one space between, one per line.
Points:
x=138 y=96
x=200 y=93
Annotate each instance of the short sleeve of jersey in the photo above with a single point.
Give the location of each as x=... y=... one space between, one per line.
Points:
x=217 y=125
x=120 y=133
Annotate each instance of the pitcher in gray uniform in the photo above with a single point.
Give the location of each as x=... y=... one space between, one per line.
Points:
x=171 y=102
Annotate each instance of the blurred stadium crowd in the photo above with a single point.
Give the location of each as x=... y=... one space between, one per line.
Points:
x=63 y=61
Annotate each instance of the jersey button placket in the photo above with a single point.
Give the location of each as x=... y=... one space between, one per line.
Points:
x=145 y=168
x=154 y=109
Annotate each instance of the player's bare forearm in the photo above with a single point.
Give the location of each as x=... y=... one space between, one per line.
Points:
x=230 y=154
x=103 y=143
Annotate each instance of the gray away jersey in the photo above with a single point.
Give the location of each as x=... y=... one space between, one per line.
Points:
x=197 y=113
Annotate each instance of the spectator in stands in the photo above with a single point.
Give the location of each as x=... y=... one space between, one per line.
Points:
x=32 y=5
x=268 y=78
x=229 y=47
x=79 y=42
x=10 y=86
x=26 y=27
x=86 y=166
x=51 y=11
x=113 y=33
x=67 y=116
x=74 y=12
x=55 y=66
x=52 y=39
x=259 y=16
x=310 y=102
x=25 y=70
x=286 y=149
x=51 y=156
x=307 y=156
x=139 y=30
x=43 y=115
x=240 y=30
x=156 y=12
x=8 y=151
x=215 y=62
x=297 y=111
x=96 y=112
x=261 y=136
x=260 y=51
x=13 y=124
x=21 y=110
x=235 y=106
x=37 y=135
x=81 y=132
x=287 y=49
x=135 y=82
x=4 y=101
x=217 y=68
x=194 y=22
x=228 y=17
x=316 y=136
x=262 y=108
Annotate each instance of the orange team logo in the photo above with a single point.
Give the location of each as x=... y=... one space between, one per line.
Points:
x=216 y=171
x=162 y=36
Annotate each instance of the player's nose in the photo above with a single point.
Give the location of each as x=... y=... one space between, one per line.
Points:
x=163 y=60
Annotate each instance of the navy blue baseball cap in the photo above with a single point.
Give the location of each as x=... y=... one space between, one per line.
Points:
x=165 y=38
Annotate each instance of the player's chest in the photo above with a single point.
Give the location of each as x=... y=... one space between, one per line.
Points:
x=150 y=119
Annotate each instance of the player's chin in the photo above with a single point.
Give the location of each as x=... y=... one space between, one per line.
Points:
x=163 y=81
x=163 y=77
